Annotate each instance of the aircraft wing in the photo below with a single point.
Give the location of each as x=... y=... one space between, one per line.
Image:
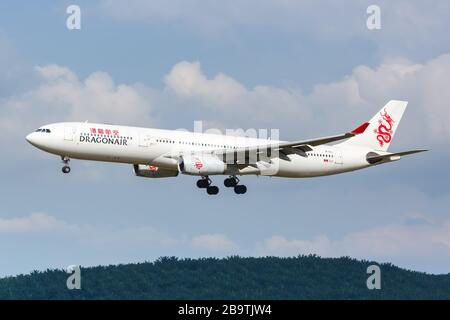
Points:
x=285 y=148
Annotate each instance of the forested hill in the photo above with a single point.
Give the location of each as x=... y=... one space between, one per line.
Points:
x=304 y=277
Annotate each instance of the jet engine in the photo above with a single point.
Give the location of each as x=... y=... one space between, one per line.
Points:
x=146 y=171
x=201 y=165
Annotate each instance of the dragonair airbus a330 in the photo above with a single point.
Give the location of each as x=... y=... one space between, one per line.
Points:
x=158 y=153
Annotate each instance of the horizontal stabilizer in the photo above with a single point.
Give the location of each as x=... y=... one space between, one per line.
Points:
x=373 y=157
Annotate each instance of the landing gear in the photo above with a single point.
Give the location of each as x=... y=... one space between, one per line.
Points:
x=205 y=183
x=233 y=182
x=66 y=167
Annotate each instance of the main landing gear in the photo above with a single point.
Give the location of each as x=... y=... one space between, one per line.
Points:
x=66 y=167
x=205 y=183
x=231 y=182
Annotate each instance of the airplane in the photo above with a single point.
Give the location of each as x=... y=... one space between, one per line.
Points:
x=156 y=153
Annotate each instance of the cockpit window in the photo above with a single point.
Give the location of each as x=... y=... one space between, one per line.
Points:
x=43 y=130
x=47 y=130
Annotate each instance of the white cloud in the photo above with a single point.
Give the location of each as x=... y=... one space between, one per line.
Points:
x=36 y=222
x=213 y=242
x=96 y=98
x=415 y=241
x=187 y=80
x=279 y=245
x=423 y=85
x=337 y=106
x=60 y=95
x=226 y=97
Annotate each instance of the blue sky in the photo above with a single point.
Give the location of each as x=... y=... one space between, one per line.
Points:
x=307 y=68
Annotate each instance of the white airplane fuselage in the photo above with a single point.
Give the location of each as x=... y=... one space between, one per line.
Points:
x=134 y=145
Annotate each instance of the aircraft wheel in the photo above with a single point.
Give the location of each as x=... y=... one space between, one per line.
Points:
x=230 y=182
x=203 y=183
x=66 y=169
x=240 y=189
x=212 y=190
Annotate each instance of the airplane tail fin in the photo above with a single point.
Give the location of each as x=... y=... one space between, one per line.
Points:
x=382 y=127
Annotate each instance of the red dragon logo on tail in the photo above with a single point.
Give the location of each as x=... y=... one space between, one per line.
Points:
x=385 y=128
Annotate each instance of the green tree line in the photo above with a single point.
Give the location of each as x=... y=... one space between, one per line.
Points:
x=302 y=277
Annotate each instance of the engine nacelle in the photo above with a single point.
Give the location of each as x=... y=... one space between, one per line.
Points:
x=201 y=165
x=146 y=171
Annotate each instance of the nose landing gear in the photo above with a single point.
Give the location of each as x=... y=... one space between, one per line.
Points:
x=66 y=167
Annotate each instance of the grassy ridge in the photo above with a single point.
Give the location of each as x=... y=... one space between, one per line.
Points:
x=303 y=277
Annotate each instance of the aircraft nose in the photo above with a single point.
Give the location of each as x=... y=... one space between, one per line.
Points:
x=31 y=138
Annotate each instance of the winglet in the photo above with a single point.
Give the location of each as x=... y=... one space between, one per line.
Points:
x=361 y=128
